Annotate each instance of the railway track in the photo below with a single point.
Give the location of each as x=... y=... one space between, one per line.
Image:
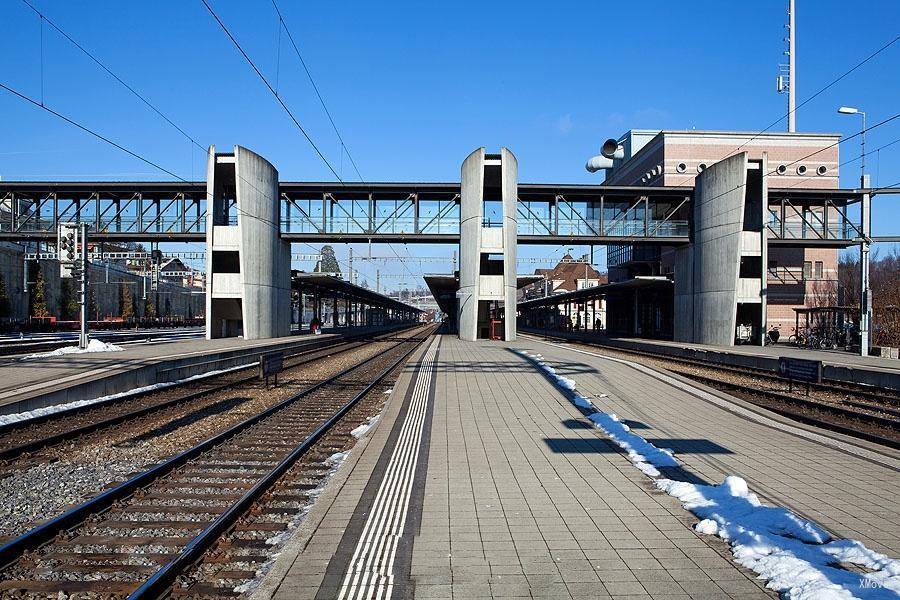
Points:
x=21 y=438
x=873 y=415
x=234 y=491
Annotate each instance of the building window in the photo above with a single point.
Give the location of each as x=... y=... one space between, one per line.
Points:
x=807 y=269
x=820 y=271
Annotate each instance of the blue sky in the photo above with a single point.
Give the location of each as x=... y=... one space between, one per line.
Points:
x=414 y=86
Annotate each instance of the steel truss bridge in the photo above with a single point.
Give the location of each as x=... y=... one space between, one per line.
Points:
x=412 y=212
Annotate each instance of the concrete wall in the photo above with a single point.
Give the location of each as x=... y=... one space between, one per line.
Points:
x=475 y=240
x=12 y=271
x=683 y=325
x=510 y=191
x=265 y=257
x=470 y=215
x=718 y=222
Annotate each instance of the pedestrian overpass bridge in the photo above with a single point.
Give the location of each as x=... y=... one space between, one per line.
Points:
x=248 y=218
x=411 y=212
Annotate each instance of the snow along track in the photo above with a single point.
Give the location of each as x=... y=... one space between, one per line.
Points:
x=794 y=555
x=884 y=459
x=178 y=497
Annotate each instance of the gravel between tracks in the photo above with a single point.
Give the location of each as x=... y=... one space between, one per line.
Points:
x=81 y=468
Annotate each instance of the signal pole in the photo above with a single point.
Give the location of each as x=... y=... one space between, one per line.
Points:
x=83 y=339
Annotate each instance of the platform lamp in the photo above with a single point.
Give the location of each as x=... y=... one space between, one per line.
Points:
x=849 y=110
x=865 y=302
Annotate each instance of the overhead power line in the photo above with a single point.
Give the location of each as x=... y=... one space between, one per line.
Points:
x=100 y=64
x=810 y=98
x=132 y=153
x=90 y=131
x=271 y=89
x=287 y=30
x=854 y=159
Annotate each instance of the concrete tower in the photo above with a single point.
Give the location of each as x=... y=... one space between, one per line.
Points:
x=248 y=265
x=487 y=244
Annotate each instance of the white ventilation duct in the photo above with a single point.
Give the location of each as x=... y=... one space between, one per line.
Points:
x=612 y=149
x=597 y=163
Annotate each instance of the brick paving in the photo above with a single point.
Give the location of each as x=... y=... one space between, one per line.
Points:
x=522 y=499
x=848 y=495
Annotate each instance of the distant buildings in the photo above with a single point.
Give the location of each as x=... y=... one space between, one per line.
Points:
x=567 y=276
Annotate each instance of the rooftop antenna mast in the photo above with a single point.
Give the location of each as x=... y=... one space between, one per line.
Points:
x=787 y=74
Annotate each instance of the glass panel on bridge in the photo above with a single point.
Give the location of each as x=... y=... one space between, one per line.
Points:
x=395 y=214
x=302 y=214
x=623 y=219
x=668 y=218
x=535 y=217
x=438 y=216
x=578 y=217
x=348 y=215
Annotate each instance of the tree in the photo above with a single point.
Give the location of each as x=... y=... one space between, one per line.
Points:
x=69 y=307
x=128 y=304
x=93 y=309
x=5 y=306
x=149 y=309
x=39 y=306
x=328 y=263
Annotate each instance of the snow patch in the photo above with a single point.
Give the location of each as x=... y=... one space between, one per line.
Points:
x=644 y=455
x=363 y=429
x=795 y=556
x=94 y=345
x=49 y=410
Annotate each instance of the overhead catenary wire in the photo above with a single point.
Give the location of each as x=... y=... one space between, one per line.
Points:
x=271 y=89
x=852 y=160
x=128 y=151
x=809 y=99
x=109 y=71
x=287 y=30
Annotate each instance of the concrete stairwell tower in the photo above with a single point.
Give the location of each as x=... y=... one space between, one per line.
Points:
x=248 y=265
x=487 y=244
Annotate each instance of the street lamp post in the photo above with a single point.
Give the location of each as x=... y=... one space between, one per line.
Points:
x=865 y=298
x=849 y=110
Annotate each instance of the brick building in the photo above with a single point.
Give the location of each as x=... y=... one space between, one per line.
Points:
x=796 y=277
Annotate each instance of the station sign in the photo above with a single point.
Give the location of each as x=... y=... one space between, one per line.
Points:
x=271 y=364
x=800 y=369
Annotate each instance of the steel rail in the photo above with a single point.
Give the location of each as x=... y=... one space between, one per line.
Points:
x=774 y=396
x=9 y=453
x=161 y=581
x=34 y=538
x=878 y=394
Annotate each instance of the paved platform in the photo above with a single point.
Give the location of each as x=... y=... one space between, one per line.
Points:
x=27 y=383
x=838 y=364
x=512 y=493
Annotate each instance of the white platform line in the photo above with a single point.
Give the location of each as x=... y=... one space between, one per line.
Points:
x=369 y=574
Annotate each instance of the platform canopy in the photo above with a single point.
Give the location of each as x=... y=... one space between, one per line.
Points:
x=444 y=288
x=329 y=286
